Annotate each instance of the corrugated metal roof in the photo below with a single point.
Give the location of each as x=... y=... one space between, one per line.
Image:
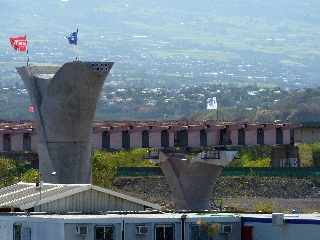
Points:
x=28 y=195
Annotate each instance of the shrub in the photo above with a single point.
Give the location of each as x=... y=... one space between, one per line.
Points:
x=105 y=164
x=263 y=207
x=8 y=172
x=316 y=154
x=257 y=156
x=260 y=162
x=309 y=155
x=305 y=155
x=30 y=176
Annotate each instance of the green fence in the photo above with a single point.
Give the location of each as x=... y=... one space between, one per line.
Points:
x=262 y=172
x=139 y=171
x=272 y=172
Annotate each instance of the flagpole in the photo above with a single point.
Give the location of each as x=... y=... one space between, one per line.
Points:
x=217 y=111
x=76 y=46
x=27 y=51
x=75 y=51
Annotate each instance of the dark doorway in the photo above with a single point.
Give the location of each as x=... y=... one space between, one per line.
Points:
x=224 y=137
x=105 y=140
x=292 y=136
x=145 y=139
x=279 y=136
x=165 y=232
x=6 y=142
x=164 y=138
x=241 y=137
x=125 y=139
x=260 y=136
x=26 y=142
x=203 y=138
x=181 y=138
x=104 y=233
x=17 y=231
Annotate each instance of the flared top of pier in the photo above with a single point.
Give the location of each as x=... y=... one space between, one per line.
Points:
x=48 y=71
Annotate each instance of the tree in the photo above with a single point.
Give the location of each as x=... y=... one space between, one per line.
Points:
x=8 y=172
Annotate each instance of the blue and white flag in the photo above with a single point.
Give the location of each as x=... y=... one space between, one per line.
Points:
x=73 y=38
x=212 y=103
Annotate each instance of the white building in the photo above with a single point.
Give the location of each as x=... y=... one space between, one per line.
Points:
x=159 y=226
x=120 y=227
x=64 y=198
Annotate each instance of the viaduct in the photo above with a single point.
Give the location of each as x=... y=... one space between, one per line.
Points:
x=111 y=135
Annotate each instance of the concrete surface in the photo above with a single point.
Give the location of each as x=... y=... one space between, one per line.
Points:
x=65 y=101
x=191 y=181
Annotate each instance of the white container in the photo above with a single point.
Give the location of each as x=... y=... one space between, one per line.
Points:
x=277 y=219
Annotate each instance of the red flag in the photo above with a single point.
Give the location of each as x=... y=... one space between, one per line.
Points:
x=19 y=43
x=31 y=109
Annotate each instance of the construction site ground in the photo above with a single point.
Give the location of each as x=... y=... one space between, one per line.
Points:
x=243 y=194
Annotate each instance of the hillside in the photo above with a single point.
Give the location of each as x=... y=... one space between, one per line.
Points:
x=296 y=106
x=272 y=42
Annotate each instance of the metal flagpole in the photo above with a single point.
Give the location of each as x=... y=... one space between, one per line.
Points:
x=75 y=51
x=217 y=114
x=27 y=50
x=76 y=46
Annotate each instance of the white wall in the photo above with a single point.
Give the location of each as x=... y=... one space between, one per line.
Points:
x=47 y=230
x=40 y=230
x=6 y=230
x=70 y=233
x=266 y=231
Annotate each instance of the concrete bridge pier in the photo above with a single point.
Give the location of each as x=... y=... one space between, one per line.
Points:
x=65 y=101
x=192 y=180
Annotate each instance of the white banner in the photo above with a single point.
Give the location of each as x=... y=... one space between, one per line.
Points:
x=212 y=103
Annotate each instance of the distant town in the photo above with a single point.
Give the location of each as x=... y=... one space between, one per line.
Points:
x=128 y=101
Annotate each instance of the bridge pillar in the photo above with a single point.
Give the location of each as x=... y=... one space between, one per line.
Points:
x=65 y=101
x=191 y=180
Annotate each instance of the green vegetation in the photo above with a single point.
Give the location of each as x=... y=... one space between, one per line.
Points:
x=30 y=176
x=260 y=103
x=263 y=207
x=104 y=167
x=258 y=156
x=309 y=155
x=105 y=164
x=269 y=105
x=11 y=172
x=8 y=172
